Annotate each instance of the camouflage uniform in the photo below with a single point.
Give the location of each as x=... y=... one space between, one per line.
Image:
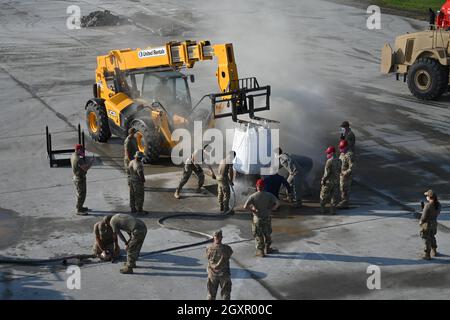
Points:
x=428 y=225
x=130 y=148
x=294 y=178
x=223 y=184
x=105 y=233
x=219 y=270
x=79 y=179
x=192 y=164
x=349 y=136
x=137 y=180
x=136 y=229
x=330 y=184
x=345 y=179
x=262 y=222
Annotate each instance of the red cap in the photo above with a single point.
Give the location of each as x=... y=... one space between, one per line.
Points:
x=343 y=144
x=78 y=147
x=330 y=150
x=260 y=183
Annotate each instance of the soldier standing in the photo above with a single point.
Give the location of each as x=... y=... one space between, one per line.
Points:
x=130 y=148
x=261 y=203
x=105 y=246
x=80 y=168
x=137 y=230
x=225 y=176
x=219 y=255
x=193 y=164
x=294 y=178
x=329 y=192
x=348 y=135
x=137 y=180
x=428 y=224
x=345 y=182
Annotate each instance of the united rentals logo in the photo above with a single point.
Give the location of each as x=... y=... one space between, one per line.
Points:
x=155 y=52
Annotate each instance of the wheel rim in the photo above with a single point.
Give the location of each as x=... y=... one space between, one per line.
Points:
x=93 y=124
x=423 y=80
x=140 y=141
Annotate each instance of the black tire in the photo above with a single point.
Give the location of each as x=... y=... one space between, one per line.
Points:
x=100 y=131
x=428 y=79
x=151 y=140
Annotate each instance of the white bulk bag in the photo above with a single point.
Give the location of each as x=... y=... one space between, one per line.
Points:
x=249 y=141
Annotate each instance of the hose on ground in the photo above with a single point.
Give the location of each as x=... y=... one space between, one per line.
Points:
x=80 y=257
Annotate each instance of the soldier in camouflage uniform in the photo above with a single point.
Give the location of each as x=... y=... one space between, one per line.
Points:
x=428 y=224
x=137 y=230
x=104 y=240
x=225 y=175
x=345 y=182
x=261 y=203
x=130 y=148
x=137 y=180
x=295 y=176
x=329 y=192
x=193 y=164
x=219 y=255
x=79 y=169
x=348 y=135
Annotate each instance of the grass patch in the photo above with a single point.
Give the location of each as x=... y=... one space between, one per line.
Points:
x=415 y=5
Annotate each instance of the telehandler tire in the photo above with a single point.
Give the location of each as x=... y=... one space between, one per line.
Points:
x=148 y=140
x=428 y=79
x=97 y=122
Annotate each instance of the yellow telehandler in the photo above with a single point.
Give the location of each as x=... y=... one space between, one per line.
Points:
x=145 y=89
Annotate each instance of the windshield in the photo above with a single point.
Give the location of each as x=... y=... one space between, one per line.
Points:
x=168 y=88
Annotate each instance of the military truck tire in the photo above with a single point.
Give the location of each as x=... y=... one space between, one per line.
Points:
x=149 y=141
x=428 y=79
x=97 y=122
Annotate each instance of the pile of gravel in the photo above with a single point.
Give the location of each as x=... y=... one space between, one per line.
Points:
x=102 y=18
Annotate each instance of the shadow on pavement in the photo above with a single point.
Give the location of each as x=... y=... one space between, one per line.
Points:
x=183 y=267
x=27 y=287
x=380 y=261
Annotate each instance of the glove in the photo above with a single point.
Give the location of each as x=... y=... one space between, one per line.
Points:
x=232 y=184
x=422 y=204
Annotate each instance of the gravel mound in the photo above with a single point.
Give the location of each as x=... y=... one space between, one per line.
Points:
x=102 y=18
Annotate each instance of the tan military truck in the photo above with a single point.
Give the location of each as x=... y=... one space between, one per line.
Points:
x=423 y=58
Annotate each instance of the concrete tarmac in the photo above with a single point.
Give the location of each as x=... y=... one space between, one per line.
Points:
x=323 y=65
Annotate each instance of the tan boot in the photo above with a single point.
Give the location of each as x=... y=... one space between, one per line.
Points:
x=434 y=252
x=426 y=256
x=260 y=253
x=177 y=194
x=126 y=270
x=270 y=250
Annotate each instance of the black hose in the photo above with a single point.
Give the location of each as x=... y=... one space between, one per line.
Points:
x=38 y=262
x=80 y=257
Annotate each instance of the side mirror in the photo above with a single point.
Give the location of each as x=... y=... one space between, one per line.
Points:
x=192 y=78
